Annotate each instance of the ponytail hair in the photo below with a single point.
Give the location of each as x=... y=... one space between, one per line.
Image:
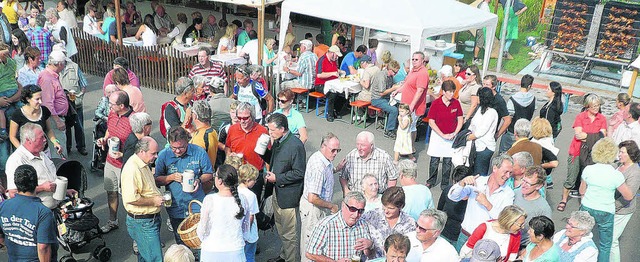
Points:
x=229 y=177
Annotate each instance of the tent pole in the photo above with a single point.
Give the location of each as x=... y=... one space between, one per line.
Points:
x=260 y=32
x=353 y=36
x=118 y=22
x=503 y=34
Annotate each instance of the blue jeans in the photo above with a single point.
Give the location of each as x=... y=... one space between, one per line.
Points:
x=175 y=223
x=506 y=142
x=604 y=223
x=462 y=239
x=483 y=162
x=146 y=232
x=250 y=251
x=392 y=120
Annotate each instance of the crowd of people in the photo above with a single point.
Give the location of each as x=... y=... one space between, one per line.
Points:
x=235 y=153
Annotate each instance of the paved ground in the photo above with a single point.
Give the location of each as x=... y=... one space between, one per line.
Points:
x=120 y=242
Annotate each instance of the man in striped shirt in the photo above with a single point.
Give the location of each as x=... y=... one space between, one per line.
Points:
x=305 y=73
x=343 y=235
x=208 y=69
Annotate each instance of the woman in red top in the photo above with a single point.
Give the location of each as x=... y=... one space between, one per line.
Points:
x=589 y=126
x=505 y=231
x=460 y=70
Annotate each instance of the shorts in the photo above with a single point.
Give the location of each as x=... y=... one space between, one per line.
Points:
x=480 y=38
x=7 y=93
x=414 y=122
x=111 y=177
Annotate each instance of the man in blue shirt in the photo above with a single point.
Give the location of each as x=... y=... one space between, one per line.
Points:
x=170 y=165
x=26 y=225
x=348 y=63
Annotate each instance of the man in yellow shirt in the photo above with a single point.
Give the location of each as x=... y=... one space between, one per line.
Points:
x=142 y=200
x=205 y=135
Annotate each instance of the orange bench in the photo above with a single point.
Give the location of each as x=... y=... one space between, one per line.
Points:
x=355 y=105
x=301 y=91
x=320 y=98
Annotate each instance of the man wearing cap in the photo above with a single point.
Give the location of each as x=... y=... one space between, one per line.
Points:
x=53 y=96
x=349 y=60
x=124 y=63
x=305 y=76
x=426 y=243
x=365 y=81
x=327 y=69
x=74 y=82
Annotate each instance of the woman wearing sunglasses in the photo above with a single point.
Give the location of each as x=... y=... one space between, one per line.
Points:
x=468 y=95
x=297 y=126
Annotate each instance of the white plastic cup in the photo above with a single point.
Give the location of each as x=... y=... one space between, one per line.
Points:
x=261 y=145
x=61 y=188
x=189 y=41
x=114 y=145
x=271 y=24
x=188 y=179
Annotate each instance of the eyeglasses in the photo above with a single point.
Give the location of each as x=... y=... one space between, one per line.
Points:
x=415 y=59
x=174 y=148
x=283 y=100
x=422 y=229
x=394 y=71
x=354 y=209
x=149 y=123
x=525 y=182
x=243 y=118
x=469 y=74
x=336 y=150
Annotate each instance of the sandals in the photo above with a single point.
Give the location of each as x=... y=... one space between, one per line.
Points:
x=561 y=206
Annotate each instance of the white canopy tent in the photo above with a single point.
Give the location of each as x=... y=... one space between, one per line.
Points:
x=417 y=19
x=251 y=3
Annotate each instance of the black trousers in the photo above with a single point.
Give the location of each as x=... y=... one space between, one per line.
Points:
x=335 y=102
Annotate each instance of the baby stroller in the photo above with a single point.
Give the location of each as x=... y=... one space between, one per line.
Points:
x=77 y=224
x=99 y=155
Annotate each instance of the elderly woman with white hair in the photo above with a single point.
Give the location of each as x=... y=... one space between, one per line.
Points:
x=446 y=73
x=199 y=81
x=576 y=240
x=599 y=184
x=370 y=191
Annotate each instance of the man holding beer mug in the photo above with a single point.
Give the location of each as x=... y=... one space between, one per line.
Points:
x=181 y=168
x=142 y=200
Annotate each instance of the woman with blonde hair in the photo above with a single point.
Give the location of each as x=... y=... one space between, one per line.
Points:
x=226 y=43
x=598 y=187
x=505 y=231
x=542 y=134
x=269 y=55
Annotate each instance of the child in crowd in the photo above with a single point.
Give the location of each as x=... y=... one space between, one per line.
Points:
x=403 y=145
x=102 y=111
x=248 y=174
x=455 y=210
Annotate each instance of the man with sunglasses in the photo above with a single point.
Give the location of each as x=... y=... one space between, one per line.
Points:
x=171 y=165
x=381 y=85
x=426 y=242
x=414 y=90
x=315 y=202
x=528 y=197
x=343 y=235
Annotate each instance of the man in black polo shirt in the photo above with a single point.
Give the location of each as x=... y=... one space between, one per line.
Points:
x=498 y=103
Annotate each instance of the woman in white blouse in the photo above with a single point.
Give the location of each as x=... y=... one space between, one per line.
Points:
x=148 y=32
x=227 y=44
x=221 y=220
x=483 y=126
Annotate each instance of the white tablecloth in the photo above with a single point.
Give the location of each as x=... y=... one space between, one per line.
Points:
x=228 y=59
x=190 y=50
x=346 y=86
x=131 y=41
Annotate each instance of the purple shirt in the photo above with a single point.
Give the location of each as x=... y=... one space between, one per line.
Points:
x=41 y=38
x=53 y=96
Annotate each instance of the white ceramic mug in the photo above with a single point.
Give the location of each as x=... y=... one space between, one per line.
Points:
x=188 y=180
x=261 y=145
x=61 y=188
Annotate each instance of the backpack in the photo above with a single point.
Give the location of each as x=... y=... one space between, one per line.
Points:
x=206 y=138
x=163 y=123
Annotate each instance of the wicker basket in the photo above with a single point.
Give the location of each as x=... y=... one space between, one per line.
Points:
x=187 y=229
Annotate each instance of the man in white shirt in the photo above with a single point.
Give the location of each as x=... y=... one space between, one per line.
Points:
x=630 y=128
x=251 y=48
x=426 y=243
x=90 y=24
x=487 y=196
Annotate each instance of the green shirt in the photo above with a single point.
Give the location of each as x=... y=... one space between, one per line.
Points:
x=8 y=75
x=243 y=38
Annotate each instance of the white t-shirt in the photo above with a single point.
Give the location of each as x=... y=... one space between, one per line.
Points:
x=225 y=42
x=90 y=25
x=440 y=250
x=218 y=229
x=251 y=48
x=250 y=232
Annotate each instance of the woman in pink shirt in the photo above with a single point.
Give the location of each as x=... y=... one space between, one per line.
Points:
x=121 y=78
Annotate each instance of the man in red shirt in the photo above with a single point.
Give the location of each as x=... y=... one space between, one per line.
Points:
x=327 y=69
x=117 y=126
x=242 y=139
x=414 y=90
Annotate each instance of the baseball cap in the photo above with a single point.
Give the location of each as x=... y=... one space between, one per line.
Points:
x=335 y=49
x=306 y=42
x=365 y=58
x=57 y=56
x=485 y=250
